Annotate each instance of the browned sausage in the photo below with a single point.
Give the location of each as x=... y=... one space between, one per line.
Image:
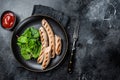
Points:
x=47 y=57
x=44 y=41
x=58 y=45
x=51 y=36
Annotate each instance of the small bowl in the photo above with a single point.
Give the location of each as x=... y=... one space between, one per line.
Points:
x=15 y=21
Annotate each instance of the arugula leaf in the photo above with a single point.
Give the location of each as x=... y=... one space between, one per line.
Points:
x=34 y=32
x=26 y=56
x=23 y=39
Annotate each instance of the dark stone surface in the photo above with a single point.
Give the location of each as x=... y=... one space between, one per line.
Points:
x=98 y=46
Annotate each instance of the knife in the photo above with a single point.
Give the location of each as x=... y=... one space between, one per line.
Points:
x=75 y=38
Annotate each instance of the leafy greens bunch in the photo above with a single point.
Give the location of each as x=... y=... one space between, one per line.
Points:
x=29 y=43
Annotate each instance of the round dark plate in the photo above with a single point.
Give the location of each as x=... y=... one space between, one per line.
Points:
x=35 y=21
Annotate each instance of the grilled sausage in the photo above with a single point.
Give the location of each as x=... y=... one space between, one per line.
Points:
x=44 y=41
x=47 y=57
x=58 y=45
x=51 y=36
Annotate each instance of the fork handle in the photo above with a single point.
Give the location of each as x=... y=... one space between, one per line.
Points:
x=70 y=64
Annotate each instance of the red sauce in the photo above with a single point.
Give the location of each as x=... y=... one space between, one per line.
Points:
x=8 y=20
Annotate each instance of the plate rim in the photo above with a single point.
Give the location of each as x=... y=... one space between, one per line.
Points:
x=38 y=15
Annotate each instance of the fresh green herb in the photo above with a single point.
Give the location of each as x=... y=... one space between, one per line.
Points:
x=29 y=43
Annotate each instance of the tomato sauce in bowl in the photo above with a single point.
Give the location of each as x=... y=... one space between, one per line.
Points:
x=8 y=20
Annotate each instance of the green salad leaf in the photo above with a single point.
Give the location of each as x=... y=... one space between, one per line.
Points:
x=29 y=43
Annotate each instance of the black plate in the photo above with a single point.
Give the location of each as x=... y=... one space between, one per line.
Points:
x=35 y=21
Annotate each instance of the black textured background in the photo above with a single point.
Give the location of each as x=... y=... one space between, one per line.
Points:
x=98 y=46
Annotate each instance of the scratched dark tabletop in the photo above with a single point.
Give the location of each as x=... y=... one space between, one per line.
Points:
x=97 y=50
